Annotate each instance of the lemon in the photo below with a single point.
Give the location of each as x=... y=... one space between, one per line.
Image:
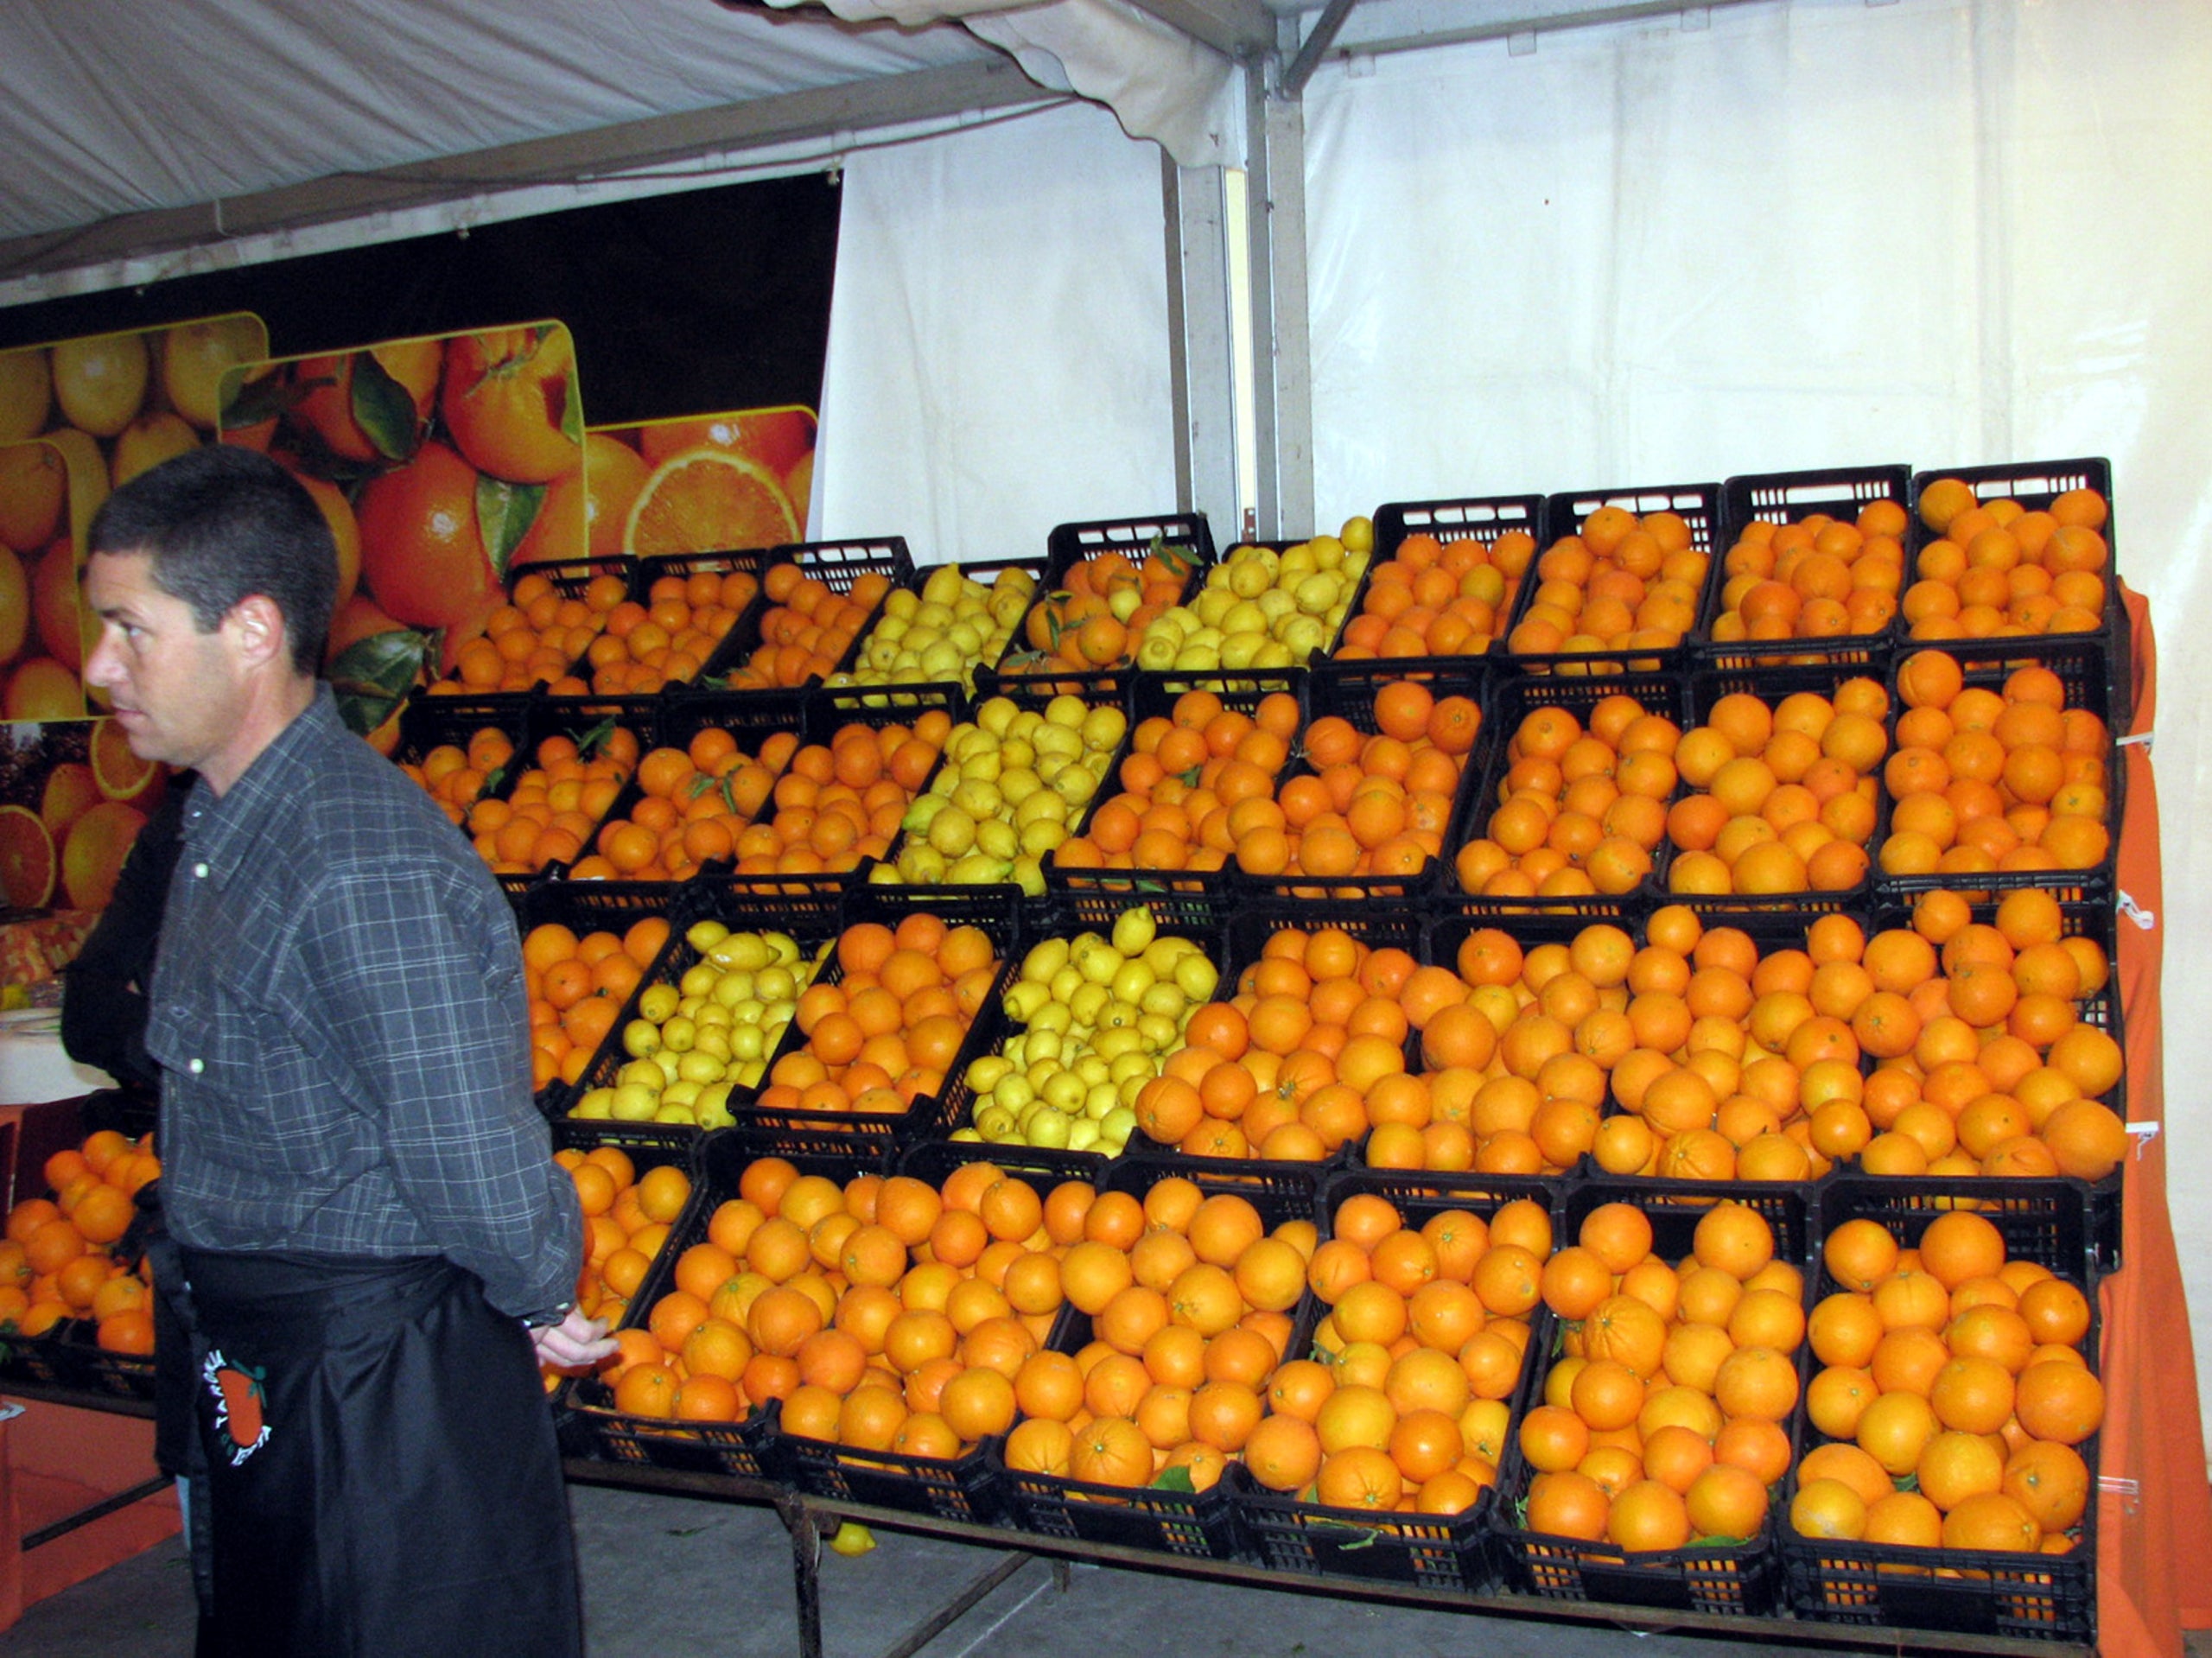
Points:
x=196 y=355
x=100 y=382
x=656 y=1002
x=26 y=393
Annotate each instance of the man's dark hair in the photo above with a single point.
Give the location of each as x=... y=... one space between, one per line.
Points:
x=219 y=523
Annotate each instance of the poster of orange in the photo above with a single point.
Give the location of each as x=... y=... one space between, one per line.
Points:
x=79 y=417
x=442 y=462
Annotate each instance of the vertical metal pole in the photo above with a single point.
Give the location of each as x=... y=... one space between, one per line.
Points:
x=1201 y=369
x=1276 y=134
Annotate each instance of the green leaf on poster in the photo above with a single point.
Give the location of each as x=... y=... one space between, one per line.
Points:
x=249 y=403
x=505 y=512
x=385 y=410
x=572 y=401
x=373 y=677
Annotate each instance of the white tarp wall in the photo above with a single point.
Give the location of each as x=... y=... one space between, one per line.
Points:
x=998 y=343
x=1944 y=232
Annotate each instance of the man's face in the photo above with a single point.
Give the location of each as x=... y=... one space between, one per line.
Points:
x=174 y=689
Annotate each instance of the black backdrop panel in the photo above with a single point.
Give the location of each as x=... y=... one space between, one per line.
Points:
x=678 y=304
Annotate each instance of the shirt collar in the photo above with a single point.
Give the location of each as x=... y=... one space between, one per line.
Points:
x=219 y=828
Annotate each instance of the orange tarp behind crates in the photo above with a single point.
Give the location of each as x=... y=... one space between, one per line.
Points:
x=2154 y=1567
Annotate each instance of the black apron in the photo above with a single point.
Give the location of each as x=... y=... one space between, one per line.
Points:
x=380 y=1467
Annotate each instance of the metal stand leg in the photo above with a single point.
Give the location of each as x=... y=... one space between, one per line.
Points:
x=806 y=1560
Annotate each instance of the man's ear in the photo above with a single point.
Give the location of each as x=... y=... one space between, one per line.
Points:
x=258 y=627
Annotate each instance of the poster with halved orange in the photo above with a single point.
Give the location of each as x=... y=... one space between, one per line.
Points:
x=441 y=462
x=702 y=483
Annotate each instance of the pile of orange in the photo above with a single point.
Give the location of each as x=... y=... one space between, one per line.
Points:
x=839 y=803
x=1188 y=1298
x=1402 y=1407
x=1374 y=804
x=1989 y=779
x=627 y=1220
x=1579 y=810
x=576 y=987
x=456 y=776
x=1820 y=577
x=807 y=627
x=1624 y=582
x=1435 y=597
x=696 y=800
x=667 y=639
x=1732 y=1065
x=535 y=636
x=57 y=1261
x=1953 y=1394
x=548 y=816
x=1780 y=796
x=1663 y=1420
x=1998 y=570
x=1196 y=781
x=1097 y=616
x=886 y=1031
x=887 y=1314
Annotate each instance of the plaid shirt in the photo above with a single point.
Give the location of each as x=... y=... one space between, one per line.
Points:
x=338 y=1010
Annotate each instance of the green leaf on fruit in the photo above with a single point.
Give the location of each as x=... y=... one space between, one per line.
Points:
x=1174 y=1479
x=385 y=410
x=373 y=676
x=505 y=512
x=590 y=741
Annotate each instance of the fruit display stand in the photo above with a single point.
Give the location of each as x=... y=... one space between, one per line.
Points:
x=2153 y=1536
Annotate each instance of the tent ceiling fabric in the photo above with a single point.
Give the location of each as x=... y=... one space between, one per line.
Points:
x=112 y=108
x=115 y=107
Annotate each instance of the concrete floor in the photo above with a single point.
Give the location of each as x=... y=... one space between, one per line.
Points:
x=666 y=1576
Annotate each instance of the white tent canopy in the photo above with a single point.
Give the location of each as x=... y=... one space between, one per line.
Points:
x=1670 y=244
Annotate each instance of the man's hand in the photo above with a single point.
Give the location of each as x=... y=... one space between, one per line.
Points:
x=573 y=1343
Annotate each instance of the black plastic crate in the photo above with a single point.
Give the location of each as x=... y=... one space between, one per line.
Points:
x=1027 y=698
x=742 y=635
x=1347 y=691
x=428 y=722
x=1842 y=492
x=1984 y=1592
x=2084 y=668
x=986 y=573
x=1187 y=898
x=69 y=1356
x=1484 y=518
x=2035 y=485
x=836 y=564
x=748 y=1450
x=1511 y=700
x=589 y=906
x=1772 y=686
x=678 y=956
x=1199 y=1525
x=1186 y=534
x=570 y=577
x=1697 y=504
x=2100 y=1010
x=994 y=1028
x=925 y=1117
x=1443 y=1551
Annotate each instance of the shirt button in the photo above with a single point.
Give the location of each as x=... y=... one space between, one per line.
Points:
x=197 y=1066
x=199 y=871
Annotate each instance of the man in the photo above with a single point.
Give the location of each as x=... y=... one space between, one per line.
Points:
x=366 y=1211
